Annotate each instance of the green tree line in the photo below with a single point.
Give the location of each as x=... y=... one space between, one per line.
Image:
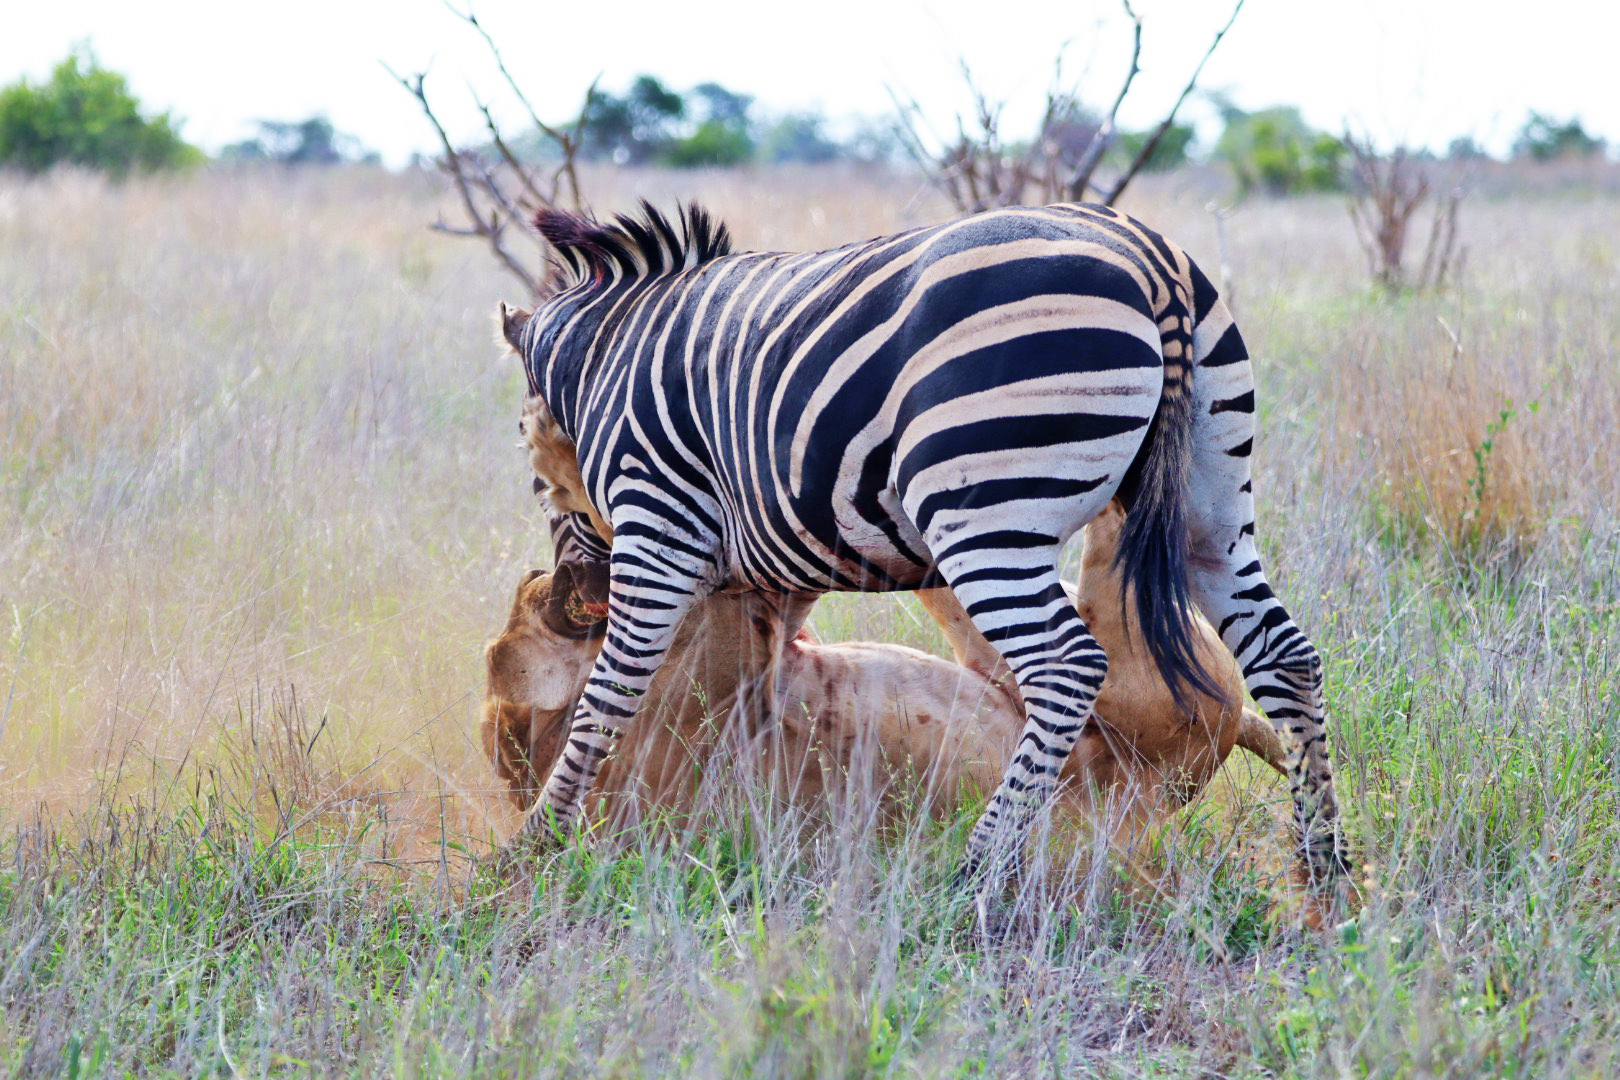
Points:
x=85 y=115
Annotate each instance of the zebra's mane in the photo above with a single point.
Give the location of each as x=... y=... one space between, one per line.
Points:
x=642 y=245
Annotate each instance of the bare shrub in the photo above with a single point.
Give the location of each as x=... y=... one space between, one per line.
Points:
x=498 y=189
x=1390 y=191
x=980 y=167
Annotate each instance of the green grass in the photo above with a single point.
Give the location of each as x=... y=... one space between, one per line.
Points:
x=257 y=456
x=202 y=939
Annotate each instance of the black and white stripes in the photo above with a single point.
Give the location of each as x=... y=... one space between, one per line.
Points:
x=944 y=405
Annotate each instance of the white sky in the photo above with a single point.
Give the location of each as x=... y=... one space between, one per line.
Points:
x=1418 y=70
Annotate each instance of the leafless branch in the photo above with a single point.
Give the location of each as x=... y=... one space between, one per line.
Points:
x=566 y=141
x=1081 y=179
x=499 y=191
x=1440 y=254
x=1145 y=154
x=460 y=169
x=512 y=84
x=440 y=226
x=507 y=156
x=979 y=169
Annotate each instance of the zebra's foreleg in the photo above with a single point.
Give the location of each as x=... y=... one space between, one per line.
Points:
x=648 y=594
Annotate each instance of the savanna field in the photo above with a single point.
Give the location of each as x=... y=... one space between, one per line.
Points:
x=261 y=505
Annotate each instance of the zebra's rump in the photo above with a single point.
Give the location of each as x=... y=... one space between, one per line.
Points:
x=1008 y=363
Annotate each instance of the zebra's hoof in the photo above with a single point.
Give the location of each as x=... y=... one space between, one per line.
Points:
x=1329 y=870
x=501 y=863
x=1325 y=896
x=981 y=875
x=518 y=855
x=983 y=885
x=966 y=878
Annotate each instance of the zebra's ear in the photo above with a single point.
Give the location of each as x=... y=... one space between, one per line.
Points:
x=512 y=321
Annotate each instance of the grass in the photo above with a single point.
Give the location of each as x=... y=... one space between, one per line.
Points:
x=263 y=501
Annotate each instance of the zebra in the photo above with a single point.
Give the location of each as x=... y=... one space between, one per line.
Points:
x=946 y=405
x=573 y=540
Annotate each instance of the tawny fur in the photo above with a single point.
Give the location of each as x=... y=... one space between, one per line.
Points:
x=857 y=714
x=551 y=454
x=1136 y=712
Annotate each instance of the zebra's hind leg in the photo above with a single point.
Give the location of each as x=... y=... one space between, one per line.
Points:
x=648 y=595
x=1279 y=663
x=1027 y=615
x=1284 y=675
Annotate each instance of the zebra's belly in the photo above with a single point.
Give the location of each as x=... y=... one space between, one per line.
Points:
x=879 y=552
x=843 y=549
x=853 y=574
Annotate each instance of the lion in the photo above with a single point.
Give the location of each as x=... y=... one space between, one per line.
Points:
x=892 y=720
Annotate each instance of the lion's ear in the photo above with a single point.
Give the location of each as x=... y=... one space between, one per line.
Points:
x=533 y=590
x=512 y=321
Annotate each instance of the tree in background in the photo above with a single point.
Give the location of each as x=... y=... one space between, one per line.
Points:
x=303 y=142
x=1389 y=193
x=715 y=104
x=875 y=141
x=1172 y=151
x=1276 y=152
x=502 y=181
x=85 y=115
x=723 y=135
x=633 y=129
x=1544 y=139
x=651 y=123
x=1465 y=148
x=800 y=137
x=979 y=167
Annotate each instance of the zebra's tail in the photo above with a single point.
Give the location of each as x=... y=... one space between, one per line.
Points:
x=1154 y=547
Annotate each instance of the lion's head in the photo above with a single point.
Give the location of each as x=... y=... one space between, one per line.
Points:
x=537 y=668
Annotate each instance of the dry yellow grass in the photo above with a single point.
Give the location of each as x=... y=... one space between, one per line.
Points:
x=260 y=492
x=237 y=412
x=1486 y=417
x=259 y=452
x=256 y=448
